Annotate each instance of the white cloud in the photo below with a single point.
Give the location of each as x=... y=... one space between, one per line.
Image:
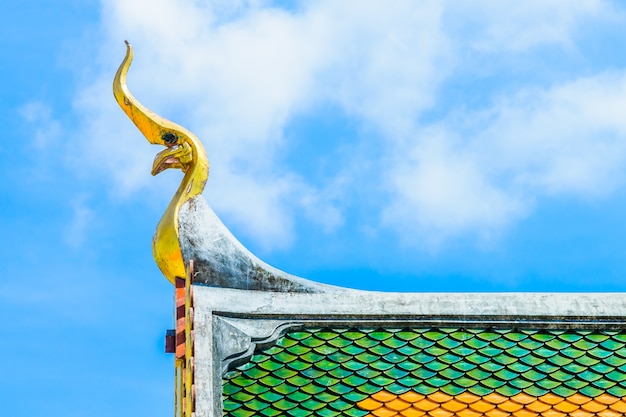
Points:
x=569 y=139
x=490 y=26
x=82 y=218
x=236 y=73
x=237 y=81
x=389 y=60
x=443 y=190
x=47 y=130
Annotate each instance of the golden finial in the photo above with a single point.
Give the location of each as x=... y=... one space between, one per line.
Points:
x=183 y=151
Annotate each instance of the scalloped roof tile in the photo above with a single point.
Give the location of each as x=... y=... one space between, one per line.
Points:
x=439 y=371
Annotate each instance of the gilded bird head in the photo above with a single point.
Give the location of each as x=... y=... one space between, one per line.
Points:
x=182 y=147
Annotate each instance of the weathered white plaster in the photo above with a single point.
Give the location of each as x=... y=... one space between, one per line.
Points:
x=254 y=316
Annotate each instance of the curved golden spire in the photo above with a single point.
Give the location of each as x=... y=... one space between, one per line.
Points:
x=183 y=151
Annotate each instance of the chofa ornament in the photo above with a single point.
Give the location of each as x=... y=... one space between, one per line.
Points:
x=189 y=229
x=183 y=151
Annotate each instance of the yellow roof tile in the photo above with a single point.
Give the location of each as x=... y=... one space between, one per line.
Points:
x=510 y=406
x=439 y=397
x=552 y=413
x=619 y=406
x=606 y=399
x=497 y=413
x=397 y=405
x=439 y=404
x=495 y=398
x=369 y=404
x=384 y=412
x=426 y=405
x=525 y=413
x=411 y=397
x=440 y=412
x=581 y=413
x=468 y=413
x=538 y=406
x=482 y=406
x=551 y=399
x=412 y=412
x=578 y=399
x=467 y=398
x=523 y=398
x=566 y=406
x=454 y=406
x=384 y=396
x=609 y=413
x=593 y=406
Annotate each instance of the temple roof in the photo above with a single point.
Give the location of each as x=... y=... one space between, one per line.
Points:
x=440 y=371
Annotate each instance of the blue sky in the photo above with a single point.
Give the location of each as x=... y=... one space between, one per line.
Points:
x=439 y=146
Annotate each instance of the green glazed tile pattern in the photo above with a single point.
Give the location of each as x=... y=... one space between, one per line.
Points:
x=325 y=372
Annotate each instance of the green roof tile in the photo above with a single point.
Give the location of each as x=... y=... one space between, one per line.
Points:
x=549 y=384
x=452 y=389
x=618 y=337
x=396 y=373
x=270 y=396
x=368 y=388
x=563 y=391
x=312 y=404
x=340 y=373
x=464 y=366
x=425 y=389
x=536 y=391
x=340 y=389
x=366 y=342
x=533 y=375
x=407 y=335
x=530 y=344
x=396 y=388
x=380 y=350
x=408 y=350
x=434 y=335
x=368 y=373
x=409 y=381
x=480 y=390
x=436 y=366
x=508 y=391
x=475 y=343
x=570 y=337
x=257 y=389
x=325 y=372
x=380 y=335
x=313 y=342
x=505 y=359
x=312 y=373
x=298 y=365
x=313 y=389
x=600 y=353
x=488 y=335
x=423 y=373
x=603 y=384
x=515 y=336
x=285 y=389
x=355 y=381
x=382 y=380
x=591 y=391
x=479 y=374
x=394 y=343
x=601 y=337
x=543 y=337
x=617 y=391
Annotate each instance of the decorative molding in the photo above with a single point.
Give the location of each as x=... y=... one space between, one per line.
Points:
x=235 y=340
